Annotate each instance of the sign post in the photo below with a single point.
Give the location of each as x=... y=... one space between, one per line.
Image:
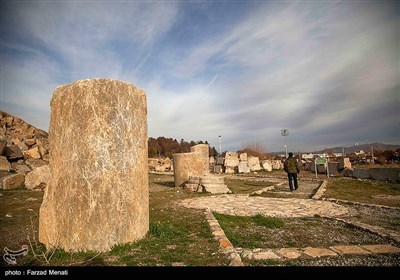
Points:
x=321 y=160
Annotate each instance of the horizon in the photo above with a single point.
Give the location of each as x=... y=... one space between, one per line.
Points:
x=326 y=71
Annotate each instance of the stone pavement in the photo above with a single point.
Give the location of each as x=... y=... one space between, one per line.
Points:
x=297 y=204
x=244 y=205
x=295 y=253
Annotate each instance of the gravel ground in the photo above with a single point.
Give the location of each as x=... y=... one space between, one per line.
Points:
x=354 y=260
x=381 y=260
x=383 y=217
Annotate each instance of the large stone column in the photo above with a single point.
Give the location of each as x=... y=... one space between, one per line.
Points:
x=98 y=194
x=188 y=164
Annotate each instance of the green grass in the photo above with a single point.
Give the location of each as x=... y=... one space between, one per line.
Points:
x=238 y=186
x=363 y=191
x=270 y=232
x=247 y=231
x=176 y=234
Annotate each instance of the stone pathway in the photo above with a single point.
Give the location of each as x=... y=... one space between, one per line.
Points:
x=244 y=205
x=295 y=253
x=297 y=204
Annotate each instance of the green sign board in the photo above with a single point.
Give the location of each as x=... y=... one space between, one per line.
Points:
x=320 y=160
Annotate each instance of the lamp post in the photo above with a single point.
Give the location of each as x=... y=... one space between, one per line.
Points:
x=220 y=146
x=285 y=133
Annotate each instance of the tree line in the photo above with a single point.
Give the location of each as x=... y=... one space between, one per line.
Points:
x=165 y=147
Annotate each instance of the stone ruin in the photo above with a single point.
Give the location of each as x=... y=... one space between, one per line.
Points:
x=242 y=163
x=98 y=193
x=24 y=154
x=191 y=171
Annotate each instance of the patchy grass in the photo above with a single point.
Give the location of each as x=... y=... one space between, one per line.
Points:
x=176 y=234
x=269 y=232
x=238 y=186
x=366 y=191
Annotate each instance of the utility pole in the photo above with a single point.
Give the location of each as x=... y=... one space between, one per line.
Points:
x=220 y=146
x=372 y=155
x=285 y=133
x=343 y=155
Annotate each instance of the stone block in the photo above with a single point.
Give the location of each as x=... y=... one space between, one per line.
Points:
x=243 y=156
x=38 y=178
x=4 y=164
x=266 y=165
x=13 y=152
x=231 y=159
x=243 y=167
x=13 y=181
x=344 y=163
x=254 y=163
x=188 y=164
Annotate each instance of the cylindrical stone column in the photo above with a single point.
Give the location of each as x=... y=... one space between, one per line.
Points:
x=187 y=164
x=98 y=194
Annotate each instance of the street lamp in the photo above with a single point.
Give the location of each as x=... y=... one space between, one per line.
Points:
x=285 y=133
x=220 y=147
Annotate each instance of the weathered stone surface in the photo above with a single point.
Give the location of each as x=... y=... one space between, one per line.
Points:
x=30 y=142
x=243 y=167
x=344 y=163
x=254 y=163
x=38 y=178
x=202 y=150
x=22 y=146
x=98 y=193
x=3 y=144
x=4 y=164
x=218 y=169
x=193 y=187
x=160 y=168
x=231 y=159
x=243 y=156
x=266 y=165
x=277 y=164
x=32 y=153
x=13 y=181
x=264 y=255
x=34 y=163
x=229 y=170
x=186 y=165
x=349 y=250
x=289 y=253
x=220 y=160
x=13 y=152
x=381 y=248
x=319 y=252
x=22 y=168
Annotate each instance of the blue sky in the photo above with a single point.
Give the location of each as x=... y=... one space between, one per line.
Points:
x=328 y=71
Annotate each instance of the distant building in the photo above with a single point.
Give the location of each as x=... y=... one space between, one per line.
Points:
x=359 y=152
x=307 y=156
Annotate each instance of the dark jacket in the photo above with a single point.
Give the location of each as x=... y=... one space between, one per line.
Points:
x=291 y=166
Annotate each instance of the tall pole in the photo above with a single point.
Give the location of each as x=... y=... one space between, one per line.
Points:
x=372 y=155
x=285 y=146
x=220 y=146
x=285 y=133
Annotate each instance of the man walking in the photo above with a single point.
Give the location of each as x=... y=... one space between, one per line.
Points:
x=292 y=169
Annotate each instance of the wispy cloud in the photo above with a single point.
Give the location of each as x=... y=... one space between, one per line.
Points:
x=328 y=71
